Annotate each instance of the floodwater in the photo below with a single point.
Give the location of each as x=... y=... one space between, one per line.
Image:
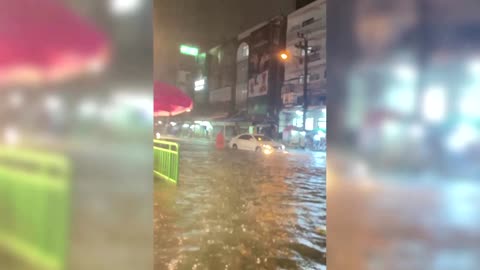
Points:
x=241 y=210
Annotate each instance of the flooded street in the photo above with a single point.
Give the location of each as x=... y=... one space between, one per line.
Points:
x=241 y=210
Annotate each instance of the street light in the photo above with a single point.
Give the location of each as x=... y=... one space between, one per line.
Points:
x=284 y=55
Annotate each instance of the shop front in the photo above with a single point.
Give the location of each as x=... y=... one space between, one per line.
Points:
x=291 y=124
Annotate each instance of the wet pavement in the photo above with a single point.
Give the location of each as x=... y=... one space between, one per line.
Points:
x=241 y=210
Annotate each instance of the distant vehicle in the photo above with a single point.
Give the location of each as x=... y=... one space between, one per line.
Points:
x=256 y=142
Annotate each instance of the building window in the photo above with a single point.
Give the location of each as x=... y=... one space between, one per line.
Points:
x=220 y=57
x=308 y=22
x=241 y=95
x=300 y=79
x=310 y=51
x=221 y=95
x=243 y=51
x=314 y=77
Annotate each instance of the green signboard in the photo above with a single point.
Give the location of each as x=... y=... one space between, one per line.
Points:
x=188 y=50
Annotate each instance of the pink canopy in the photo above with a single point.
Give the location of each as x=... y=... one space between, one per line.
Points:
x=170 y=101
x=43 y=41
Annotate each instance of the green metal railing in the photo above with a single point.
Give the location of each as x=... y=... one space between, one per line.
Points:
x=34 y=207
x=166 y=160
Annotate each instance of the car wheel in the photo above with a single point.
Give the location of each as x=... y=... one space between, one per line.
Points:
x=258 y=149
x=235 y=147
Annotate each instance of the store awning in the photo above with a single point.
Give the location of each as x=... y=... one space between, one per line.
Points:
x=169 y=100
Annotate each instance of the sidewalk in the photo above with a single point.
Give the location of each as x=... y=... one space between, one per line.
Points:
x=189 y=140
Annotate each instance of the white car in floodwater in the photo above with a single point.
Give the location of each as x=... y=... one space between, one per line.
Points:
x=256 y=142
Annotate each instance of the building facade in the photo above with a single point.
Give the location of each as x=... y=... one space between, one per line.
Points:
x=301 y=3
x=265 y=71
x=200 y=83
x=244 y=75
x=221 y=78
x=187 y=68
x=311 y=21
x=242 y=78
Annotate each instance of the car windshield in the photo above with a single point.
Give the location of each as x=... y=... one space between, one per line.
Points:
x=263 y=139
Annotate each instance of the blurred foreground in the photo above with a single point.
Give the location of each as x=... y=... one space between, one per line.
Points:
x=96 y=118
x=404 y=135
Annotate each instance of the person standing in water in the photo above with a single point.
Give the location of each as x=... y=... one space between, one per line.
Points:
x=220 y=141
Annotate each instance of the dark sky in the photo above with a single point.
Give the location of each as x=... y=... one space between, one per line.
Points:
x=206 y=23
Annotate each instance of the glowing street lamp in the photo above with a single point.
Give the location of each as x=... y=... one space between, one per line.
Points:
x=284 y=56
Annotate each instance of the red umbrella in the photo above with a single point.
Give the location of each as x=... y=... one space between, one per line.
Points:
x=43 y=41
x=170 y=101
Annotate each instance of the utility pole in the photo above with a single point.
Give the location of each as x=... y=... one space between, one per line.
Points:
x=303 y=44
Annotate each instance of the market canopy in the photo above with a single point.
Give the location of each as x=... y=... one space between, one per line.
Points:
x=169 y=100
x=43 y=41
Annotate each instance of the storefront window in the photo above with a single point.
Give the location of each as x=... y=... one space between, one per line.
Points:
x=322 y=123
x=298 y=122
x=309 y=123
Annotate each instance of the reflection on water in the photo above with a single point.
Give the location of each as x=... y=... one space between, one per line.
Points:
x=241 y=210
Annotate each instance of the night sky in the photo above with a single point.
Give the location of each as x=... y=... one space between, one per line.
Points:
x=205 y=23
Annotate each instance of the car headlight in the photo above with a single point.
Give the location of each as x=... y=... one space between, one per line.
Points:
x=266 y=146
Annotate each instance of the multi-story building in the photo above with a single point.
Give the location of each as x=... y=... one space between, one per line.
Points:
x=214 y=80
x=243 y=77
x=311 y=21
x=243 y=52
x=265 y=71
x=187 y=69
x=221 y=78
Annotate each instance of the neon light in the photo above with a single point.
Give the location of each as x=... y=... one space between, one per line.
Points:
x=188 y=50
